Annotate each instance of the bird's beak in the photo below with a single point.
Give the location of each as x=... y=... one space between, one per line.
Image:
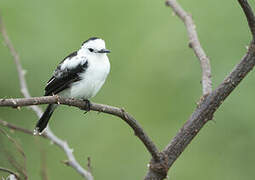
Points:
x=104 y=51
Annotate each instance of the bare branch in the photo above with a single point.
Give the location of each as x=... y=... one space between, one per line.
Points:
x=195 y=44
x=249 y=15
x=48 y=133
x=18 y=147
x=13 y=162
x=205 y=110
x=21 y=72
x=10 y=172
x=119 y=112
x=14 y=127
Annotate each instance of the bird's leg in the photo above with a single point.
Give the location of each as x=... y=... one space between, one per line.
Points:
x=87 y=105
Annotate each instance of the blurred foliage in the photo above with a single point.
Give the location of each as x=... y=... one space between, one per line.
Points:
x=154 y=75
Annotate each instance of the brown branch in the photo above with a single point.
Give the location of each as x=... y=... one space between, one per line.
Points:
x=249 y=15
x=14 y=127
x=195 y=44
x=207 y=107
x=20 y=150
x=10 y=172
x=119 y=112
x=48 y=133
x=13 y=162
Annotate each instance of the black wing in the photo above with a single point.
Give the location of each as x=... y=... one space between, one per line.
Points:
x=62 y=79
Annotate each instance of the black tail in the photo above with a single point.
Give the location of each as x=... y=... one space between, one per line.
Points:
x=43 y=121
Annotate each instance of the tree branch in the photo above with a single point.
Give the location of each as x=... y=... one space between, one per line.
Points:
x=195 y=44
x=207 y=107
x=22 y=169
x=119 y=112
x=249 y=15
x=14 y=127
x=24 y=90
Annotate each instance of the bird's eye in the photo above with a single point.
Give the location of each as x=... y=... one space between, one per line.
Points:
x=91 y=50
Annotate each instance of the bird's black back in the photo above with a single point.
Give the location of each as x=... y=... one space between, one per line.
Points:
x=62 y=79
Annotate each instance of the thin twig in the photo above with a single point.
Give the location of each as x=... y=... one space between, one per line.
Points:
x=14 y=127
x=206 y=108
x=21 y=72
x=10 y=172
x=119 y=112
x=24 y=90
x=20 y=150
x=13 y=162
x=195 y=44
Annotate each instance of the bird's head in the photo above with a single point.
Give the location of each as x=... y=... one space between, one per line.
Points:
x=94 y=46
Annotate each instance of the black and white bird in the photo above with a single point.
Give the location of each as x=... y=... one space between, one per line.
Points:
x=80 y=75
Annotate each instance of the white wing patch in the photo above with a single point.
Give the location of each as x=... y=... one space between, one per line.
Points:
x=73 y=62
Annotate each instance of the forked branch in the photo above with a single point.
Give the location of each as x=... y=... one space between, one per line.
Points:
x=209 y=103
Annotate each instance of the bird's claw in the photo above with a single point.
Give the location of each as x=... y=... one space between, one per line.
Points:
x=87 y=106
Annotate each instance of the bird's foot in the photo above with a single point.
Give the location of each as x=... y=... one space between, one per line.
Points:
x=37 y=132
x=87 y=105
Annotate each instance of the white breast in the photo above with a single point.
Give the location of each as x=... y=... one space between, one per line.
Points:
x=92 y=79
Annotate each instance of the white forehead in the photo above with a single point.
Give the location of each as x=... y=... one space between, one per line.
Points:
x=96 y=43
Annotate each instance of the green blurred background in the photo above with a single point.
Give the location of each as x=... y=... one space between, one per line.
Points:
x=154 y=76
